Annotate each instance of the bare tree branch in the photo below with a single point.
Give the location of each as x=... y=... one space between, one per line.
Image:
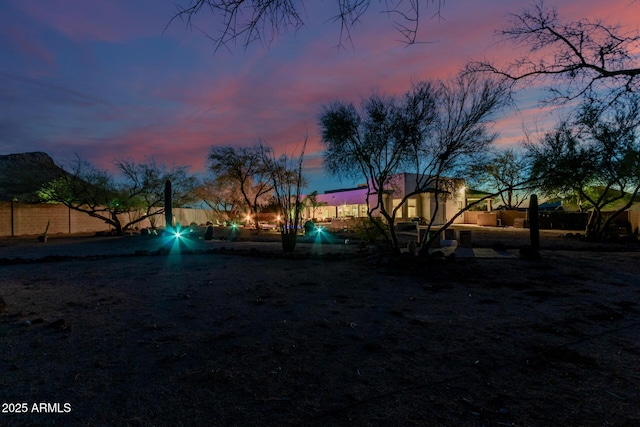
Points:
x=249 y=21
x=584 y=58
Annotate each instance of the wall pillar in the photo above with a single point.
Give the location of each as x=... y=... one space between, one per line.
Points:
x=425 y=207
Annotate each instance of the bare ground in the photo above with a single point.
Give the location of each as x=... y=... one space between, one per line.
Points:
x=249 y=337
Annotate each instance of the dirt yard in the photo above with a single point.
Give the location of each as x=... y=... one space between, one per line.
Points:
x=113 y=331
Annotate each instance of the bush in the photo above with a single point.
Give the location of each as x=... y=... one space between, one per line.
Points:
x=367 y=230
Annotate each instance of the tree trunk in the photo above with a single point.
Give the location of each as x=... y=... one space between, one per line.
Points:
x=289 y=239
x=115 y=221
x=594 y=228
x=168 y=214
x=379 y=227
x=393 y=237
x=534 y=222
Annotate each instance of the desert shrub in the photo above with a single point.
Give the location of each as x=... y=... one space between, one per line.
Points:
x=369 y=230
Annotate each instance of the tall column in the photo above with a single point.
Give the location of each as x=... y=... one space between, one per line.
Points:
x=425 y=206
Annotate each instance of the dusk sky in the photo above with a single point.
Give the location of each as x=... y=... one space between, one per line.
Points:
x=105 y=80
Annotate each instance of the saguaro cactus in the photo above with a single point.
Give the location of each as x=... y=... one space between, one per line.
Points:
x=168 y=214
x=534 y=224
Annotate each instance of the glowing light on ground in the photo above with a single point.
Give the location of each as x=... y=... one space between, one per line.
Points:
x=178 y=239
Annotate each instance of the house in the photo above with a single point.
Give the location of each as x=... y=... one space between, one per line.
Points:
x=352 y=202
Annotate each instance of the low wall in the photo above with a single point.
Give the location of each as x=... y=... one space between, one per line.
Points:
x=494 y=218
x=548 y=220
x=471 y=217
x=489 y=219
x=187 y=216
x=507 y=218
x=22 y=219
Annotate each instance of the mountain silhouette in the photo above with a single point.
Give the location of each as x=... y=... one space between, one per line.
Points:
x=23 y=174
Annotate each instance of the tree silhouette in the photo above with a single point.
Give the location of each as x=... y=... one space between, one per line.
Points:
x=584 y=58
x=263 y=20
x=120 y=201
x=595 y=156
x=434 y=131
x=245 y=166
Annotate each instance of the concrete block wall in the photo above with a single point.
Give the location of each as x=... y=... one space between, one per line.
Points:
x=507 y=218
x=471 y=217
x=32 y=219
x=5 y=219
x=185 y=216
x=489 y=219
x=80 y=222
x=20 y=219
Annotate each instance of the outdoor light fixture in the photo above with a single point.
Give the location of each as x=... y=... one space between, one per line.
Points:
x=176 y=232
x=179 y=233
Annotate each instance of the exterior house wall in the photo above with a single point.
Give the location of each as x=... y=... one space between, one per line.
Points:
x=352 y=203
x=340 y=204
x=454 y=205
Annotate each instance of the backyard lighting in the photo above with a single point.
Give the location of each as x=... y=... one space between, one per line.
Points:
x=177 y=232
x=176 y=239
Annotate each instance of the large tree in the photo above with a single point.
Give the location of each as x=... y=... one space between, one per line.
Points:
x=434 y=132
x=263 y=20
x=595 y=156
x=287 y=179
x=246 y=167
x=222 y=195
x=120 y=201
x=586 y=58
x=506 y=173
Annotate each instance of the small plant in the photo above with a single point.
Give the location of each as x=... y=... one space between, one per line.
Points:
x=368 y=231
x=43 y=236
